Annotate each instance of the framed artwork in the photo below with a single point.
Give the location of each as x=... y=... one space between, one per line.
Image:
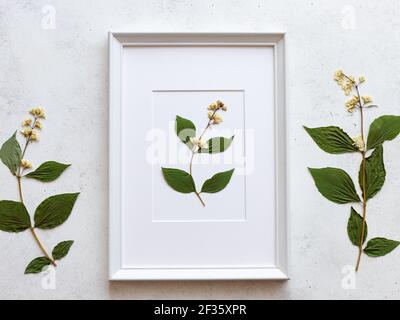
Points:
x=197 y=156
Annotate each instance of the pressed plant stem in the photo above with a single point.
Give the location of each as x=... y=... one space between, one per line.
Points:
x=208 y=124
x=193 y=153
x=190 y=172
x=363 y=182
x=191 y=162
x=19 y=176
x=201 y=200
x=20 y=189
x=42 y=247
x=33 y=229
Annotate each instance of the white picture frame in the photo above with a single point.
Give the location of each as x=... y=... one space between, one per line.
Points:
x=117 y=43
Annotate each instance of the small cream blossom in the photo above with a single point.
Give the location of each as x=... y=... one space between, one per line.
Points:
x=346 y=85
x=26 y=132
x=38 y=125
x=217 y=119
x=213 y=106
x=220 y=104
x=352 y=103
x=38 y=112
x=217 y=105
x=26 y=164
x=198 y=144
x=361 y=79
x=345 y=82
x=30 y=134
x=338 y=75
x=366 y=99
x=359 y=143
x=27 y=123
x=34 y=136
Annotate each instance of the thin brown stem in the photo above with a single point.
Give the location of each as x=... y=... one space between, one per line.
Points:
x=191 y=162
x=20 y=169
x=201 y=200
x=194 y=152
x=28 y=140
x=352 y=81
x=208 y=124
x=33 y=229
x=190 y=172
x=363 y=183
x=21 y=198
x=42 y=247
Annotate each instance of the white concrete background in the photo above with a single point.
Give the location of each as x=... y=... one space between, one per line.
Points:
x=65 y=70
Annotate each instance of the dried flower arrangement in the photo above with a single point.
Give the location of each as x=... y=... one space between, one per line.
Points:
x=182 y=181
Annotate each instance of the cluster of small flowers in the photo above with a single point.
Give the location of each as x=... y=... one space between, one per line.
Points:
x=217 y=105
x=366 y=99
x=198 y=143
x=29 y=125
x=29 y=132
x=38 y=113
x=214 y=107
x=352 y=103
x=215 y=118
x=359 y=143
x=347 y=83
x=26 y=164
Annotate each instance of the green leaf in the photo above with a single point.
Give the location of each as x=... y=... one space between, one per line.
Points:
x=13 y=216
x=185 y=129
x=354 y=227
x=217 y=182
x=382 y=129
x=217 y=144
x=48 y=171
x=334 y=184
x=61 y=249
x=378 y=247
x=374 y=173
x=179 y=180
x=54 y=210
x=332 y=139
x=10 y=153
x=37 y=264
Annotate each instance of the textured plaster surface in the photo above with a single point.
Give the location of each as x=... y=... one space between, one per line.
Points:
x=66 y=70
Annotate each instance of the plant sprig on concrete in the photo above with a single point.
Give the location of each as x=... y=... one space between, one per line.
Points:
x=52 y=212
x=336 y=185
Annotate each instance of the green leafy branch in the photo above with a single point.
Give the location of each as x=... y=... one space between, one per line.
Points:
x=51 y=212
x=337 y=186
x=182 y=181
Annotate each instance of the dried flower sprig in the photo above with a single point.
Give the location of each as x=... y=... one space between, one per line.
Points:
x=336 y=185
x=52 y=212
x=182 y=181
